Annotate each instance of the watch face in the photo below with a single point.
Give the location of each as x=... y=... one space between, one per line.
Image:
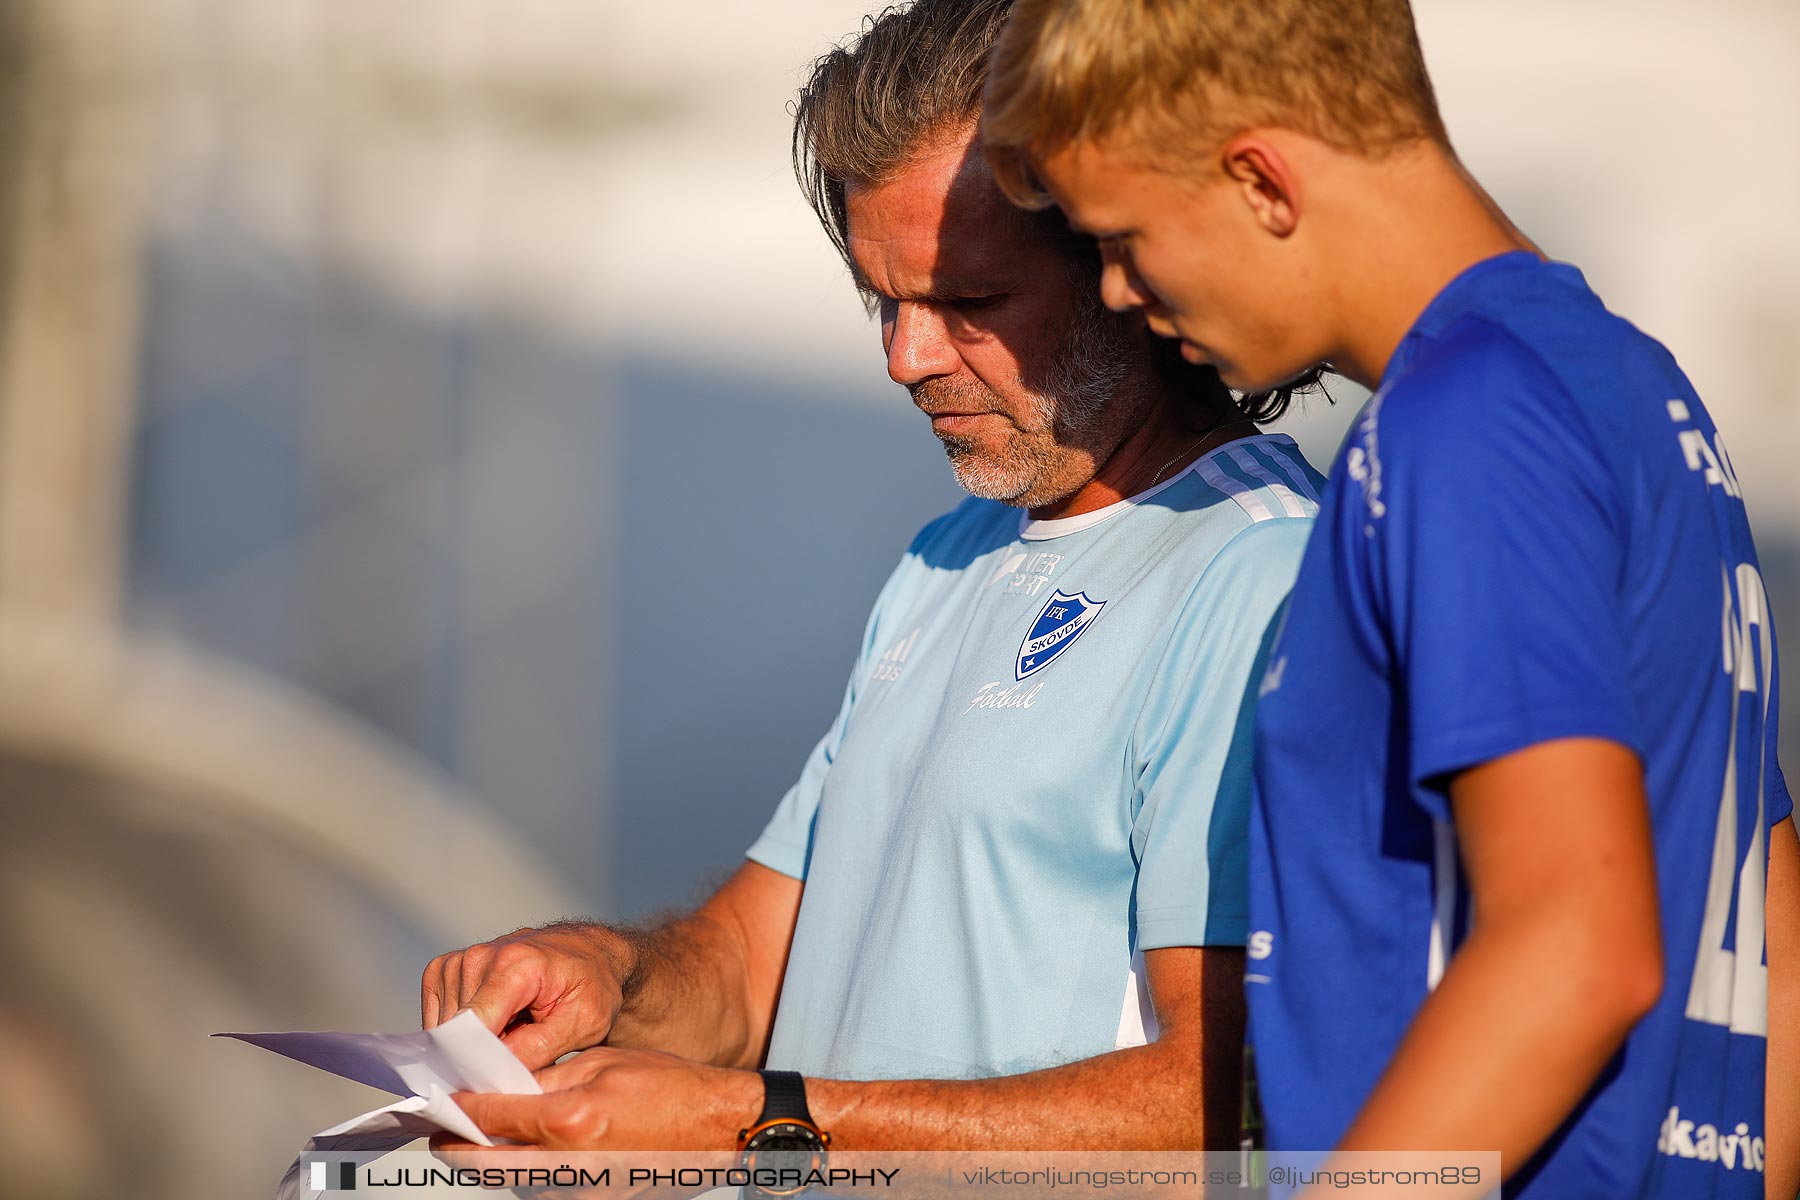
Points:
x=786 y=1137
x=788 y=1152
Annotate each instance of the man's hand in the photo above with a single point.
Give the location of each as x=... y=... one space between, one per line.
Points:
x=622 y=1100
x=703 y=987
x=568 y=979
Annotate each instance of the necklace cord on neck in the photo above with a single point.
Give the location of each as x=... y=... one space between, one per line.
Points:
x=1194 y=445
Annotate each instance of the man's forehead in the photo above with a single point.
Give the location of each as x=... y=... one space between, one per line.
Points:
x=942 y=215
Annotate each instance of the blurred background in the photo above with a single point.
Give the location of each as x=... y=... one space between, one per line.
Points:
x=400 y=405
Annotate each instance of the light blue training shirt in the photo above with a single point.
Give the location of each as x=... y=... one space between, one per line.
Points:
x=1041 y=770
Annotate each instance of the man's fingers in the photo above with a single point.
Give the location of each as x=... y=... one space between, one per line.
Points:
x=578 y=1070
x=557 y=1076
x=447 y=1006
x=435 y=1004
x=516 y=1118
x=453 y=972
x=514 y=978
x=428 y=995
x=538 y=1044
x=502 y=996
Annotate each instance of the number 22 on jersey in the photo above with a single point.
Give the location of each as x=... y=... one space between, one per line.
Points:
x=1731 y=984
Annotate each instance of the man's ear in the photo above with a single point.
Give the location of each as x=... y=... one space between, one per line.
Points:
x=1266 y=181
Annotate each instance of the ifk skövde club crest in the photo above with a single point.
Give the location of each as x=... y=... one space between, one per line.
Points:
x=1063 y=619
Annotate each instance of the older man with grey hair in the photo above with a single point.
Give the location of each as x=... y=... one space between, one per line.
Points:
x=1008 y=887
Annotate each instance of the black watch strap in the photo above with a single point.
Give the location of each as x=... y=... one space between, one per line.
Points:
x=784 y=1098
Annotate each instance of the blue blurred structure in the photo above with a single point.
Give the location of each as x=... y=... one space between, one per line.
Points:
x=328 y=491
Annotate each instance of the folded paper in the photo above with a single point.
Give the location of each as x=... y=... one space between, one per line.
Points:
x=425 y=1068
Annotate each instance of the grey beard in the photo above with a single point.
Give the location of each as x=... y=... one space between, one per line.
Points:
x=1086 y=374
x=1080 y=383
x=987 y=480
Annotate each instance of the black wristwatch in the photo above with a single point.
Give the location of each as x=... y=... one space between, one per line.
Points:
x=785 y=1146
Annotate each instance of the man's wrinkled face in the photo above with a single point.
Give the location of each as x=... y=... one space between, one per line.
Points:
x=988 y=324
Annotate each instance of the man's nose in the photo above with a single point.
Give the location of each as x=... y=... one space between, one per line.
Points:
x=918 y=345
x=1120 y=288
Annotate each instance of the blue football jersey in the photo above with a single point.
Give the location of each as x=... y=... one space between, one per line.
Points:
x=1532 y=532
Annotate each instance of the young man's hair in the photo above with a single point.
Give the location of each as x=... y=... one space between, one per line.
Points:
x=1172 y=80
x=916 y=75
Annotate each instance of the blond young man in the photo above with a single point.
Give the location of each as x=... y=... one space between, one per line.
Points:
x=1518 y=792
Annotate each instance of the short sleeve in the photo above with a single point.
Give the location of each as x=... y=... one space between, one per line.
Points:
x=1193 y=747
x=785 y=844
x=1500 y=540
x=1781 y=801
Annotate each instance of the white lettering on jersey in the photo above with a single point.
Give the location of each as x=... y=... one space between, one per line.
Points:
x=1733 y=1151
x=1363 y=461
x=1007 y=569
x=1258 y=947
x=888 y=669
x=1730 y=983
x=1016 y=696
x=1713 y=463
x=1028 y=576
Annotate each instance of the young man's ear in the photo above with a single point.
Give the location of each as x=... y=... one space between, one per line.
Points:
x=1265 y=180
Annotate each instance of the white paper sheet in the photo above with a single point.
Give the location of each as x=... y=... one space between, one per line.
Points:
x=461 y=1055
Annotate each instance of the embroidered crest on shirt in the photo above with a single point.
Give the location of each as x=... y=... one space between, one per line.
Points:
x=1062 y=619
